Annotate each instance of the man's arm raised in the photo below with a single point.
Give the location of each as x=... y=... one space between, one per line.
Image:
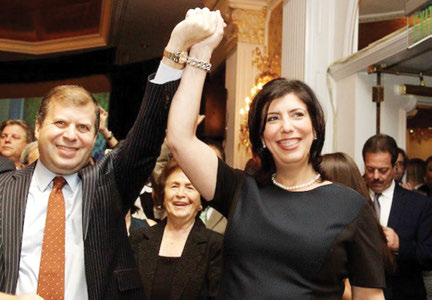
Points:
x=137 y=156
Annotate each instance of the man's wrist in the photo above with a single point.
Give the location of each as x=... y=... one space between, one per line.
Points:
x=173 y=47
x=179 y=57
x=108 y=135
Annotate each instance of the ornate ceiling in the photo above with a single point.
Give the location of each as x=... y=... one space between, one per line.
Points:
x=44 y=20
x=138 y=29
x=32 y=29
x=40 y=27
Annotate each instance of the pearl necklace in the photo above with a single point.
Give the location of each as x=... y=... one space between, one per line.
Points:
x=294 y=187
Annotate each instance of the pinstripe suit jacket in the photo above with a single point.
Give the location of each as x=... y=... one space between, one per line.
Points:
x=6 y=164
x=109 y=189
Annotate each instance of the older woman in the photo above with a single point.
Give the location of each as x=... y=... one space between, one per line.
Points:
x=290 y=234
x=178 y=258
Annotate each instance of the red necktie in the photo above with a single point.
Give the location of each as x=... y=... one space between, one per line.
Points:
x=52 y=265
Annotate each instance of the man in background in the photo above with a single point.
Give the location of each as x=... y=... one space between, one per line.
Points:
x=428 y=177
x=406 y=218
x=15 y=136
x=400 y=165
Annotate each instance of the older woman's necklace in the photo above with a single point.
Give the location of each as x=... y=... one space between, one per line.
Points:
x=294 y=187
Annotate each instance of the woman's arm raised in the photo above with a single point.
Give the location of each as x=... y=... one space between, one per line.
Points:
x=197 y=160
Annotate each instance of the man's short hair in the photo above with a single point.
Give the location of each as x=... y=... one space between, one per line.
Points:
x=70 y=94
x=381 y=143
x=416 y=169
x=29 y=135
x=405 y=158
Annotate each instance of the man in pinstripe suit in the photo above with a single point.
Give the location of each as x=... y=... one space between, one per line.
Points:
x=98 y=259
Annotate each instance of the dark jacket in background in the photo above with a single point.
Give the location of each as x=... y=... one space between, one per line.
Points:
x=198 y=270
x=411 y=218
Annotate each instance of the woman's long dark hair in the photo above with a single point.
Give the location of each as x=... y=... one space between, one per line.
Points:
x=340 y=167
x=257 y=121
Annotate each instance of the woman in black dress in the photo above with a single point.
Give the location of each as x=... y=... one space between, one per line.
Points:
x=290 y=235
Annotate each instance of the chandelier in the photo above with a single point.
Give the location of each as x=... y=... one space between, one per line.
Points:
x=421 y=134
x=264 y=63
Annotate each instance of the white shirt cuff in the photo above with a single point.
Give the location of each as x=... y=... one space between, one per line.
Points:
x=165 y=74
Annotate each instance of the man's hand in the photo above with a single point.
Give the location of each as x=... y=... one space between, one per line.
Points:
x=21 y=297
x=103 y=118
x=211 y=42
x=392 y=238
x=198 y=24
x=407 y=186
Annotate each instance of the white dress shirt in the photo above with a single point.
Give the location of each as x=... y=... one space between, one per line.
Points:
x=165 y=74
x=34 y=226
x=206 y=214
x=385 y=200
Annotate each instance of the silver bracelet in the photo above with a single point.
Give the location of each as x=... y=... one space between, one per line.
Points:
x=200 y=64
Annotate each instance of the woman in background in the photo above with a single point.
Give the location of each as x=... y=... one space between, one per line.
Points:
x=340 y=168
x=178 y=258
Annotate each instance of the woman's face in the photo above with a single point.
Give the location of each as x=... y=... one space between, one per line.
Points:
x=181 y=199
x=288 y=133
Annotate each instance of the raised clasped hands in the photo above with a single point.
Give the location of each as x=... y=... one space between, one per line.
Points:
x=198 y=24
x=211 y=42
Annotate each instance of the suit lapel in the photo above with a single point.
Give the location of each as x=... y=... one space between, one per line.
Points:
x=397 y=208
x=151 y=255
x=13 y=205
x=89 y=180
x=193 y=252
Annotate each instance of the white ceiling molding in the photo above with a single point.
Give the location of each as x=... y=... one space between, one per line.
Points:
x=381 y=16
x=89 y=41
x=375 y=52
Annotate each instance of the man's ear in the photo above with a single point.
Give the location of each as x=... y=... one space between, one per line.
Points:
x=36 y=131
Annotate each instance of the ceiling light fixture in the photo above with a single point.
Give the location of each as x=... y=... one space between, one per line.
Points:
x=417 y=90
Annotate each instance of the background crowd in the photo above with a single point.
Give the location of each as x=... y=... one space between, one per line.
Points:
x=292 y=224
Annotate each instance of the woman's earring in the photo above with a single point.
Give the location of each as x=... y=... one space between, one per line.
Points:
x=264 y=146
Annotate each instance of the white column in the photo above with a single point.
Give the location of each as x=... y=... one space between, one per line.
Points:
x=293 y=39
x=246 y=32
x=239 y=79
x=315 y=34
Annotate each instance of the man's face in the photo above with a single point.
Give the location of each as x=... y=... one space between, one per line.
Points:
x=399 y=168
x=12 y=141
x=428 y=175
x=66 y=137
x=379 y=171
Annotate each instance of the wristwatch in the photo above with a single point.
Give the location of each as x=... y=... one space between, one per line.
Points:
x=177 y=57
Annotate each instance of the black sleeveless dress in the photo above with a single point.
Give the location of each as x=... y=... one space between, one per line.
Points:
x=295 y=245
